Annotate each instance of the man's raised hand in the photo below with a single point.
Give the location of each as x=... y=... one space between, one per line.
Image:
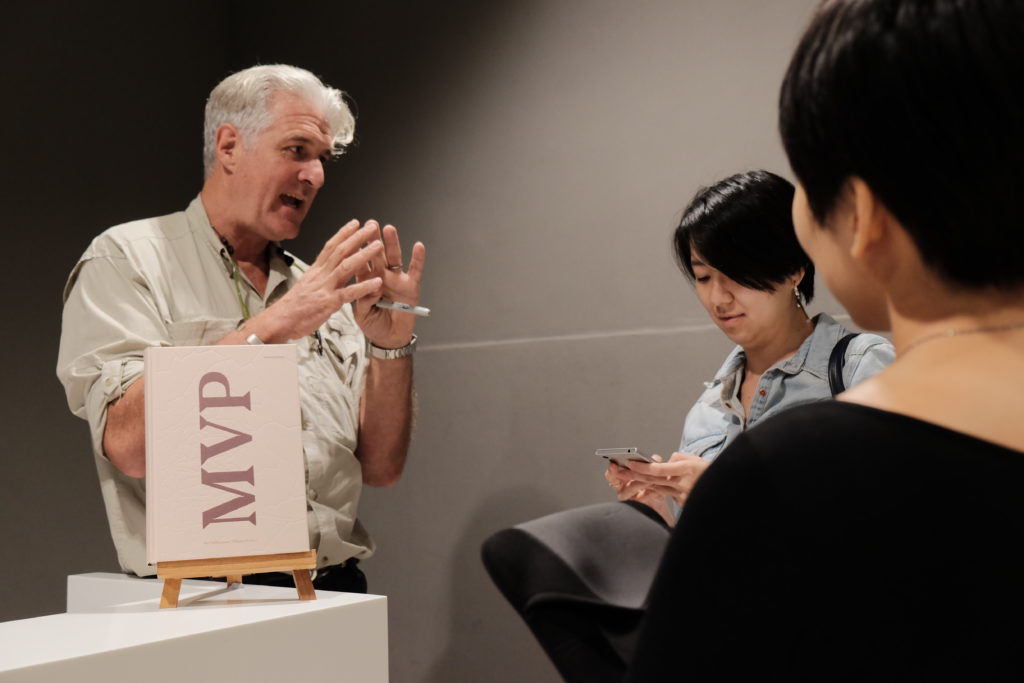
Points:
x=385 y=327
x=324 y=287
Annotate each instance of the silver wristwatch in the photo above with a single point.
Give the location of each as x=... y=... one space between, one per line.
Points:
x=392 y=354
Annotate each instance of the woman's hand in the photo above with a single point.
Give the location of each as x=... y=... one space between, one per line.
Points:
x=674 y=478
x=622 y=482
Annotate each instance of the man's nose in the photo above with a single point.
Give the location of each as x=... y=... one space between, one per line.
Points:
x=312 y=172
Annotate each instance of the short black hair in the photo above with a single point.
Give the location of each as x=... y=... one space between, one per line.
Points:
x=924 y=101
x=743 y=227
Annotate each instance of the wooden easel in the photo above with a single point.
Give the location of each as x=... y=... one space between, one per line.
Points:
x=234 y=568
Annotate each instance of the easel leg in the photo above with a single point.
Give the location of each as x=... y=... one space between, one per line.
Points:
x=303 y=584
x=169 y=598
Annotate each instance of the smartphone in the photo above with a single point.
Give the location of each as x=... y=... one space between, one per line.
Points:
x=622 y=456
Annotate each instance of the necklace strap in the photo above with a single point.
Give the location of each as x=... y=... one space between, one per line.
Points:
x=942 y=334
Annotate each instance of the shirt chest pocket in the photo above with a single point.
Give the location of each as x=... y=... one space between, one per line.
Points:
x=200 y=332
x=343 y=345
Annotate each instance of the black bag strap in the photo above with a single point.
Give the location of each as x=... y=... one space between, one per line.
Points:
x=836 y=362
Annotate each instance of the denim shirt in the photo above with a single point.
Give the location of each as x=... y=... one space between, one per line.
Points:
x=717 y=417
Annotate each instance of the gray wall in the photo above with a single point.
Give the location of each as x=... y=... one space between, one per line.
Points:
x=542 y=150
x=547 y=161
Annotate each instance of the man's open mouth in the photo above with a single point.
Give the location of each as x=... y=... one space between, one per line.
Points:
x=289 y=200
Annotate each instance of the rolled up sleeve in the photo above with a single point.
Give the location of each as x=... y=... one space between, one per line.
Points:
x=108 y=321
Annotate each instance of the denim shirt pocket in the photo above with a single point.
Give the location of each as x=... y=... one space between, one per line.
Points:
x=706 y=447
x=707 y=424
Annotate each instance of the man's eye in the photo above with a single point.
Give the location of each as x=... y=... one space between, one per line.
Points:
x=295 y=149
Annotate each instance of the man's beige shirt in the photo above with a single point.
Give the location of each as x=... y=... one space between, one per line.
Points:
x=168 y=282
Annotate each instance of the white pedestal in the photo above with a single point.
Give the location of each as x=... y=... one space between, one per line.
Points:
x=114 y=630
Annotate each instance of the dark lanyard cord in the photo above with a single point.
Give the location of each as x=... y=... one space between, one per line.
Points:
x=236 y=275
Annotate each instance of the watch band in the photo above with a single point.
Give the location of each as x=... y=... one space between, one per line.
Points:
x=253 y=339
x=392 y=354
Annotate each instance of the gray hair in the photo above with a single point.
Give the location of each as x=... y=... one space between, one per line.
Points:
x=242 y=99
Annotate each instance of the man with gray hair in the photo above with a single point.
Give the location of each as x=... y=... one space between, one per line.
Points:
x=216 y=274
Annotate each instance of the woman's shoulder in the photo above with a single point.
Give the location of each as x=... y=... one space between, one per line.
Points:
x=846 y=460
x=865 y=354
x=866 y=344
x=829 y=332
x=843 y=427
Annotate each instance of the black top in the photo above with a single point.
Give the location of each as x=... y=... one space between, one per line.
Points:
x=841 y=542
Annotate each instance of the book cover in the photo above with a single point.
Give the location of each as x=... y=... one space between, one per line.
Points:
x=224 y=466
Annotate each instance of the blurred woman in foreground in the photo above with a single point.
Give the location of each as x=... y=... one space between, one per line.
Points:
x=896 y=557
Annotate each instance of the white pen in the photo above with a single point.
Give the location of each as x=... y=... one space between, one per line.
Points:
x=404 y=308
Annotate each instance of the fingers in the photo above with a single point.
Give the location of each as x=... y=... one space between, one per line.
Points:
x=659 y=473
x=392 y=247
x=673 y=480
x=644 y=468
x=370 y=268
x=419 y=257
x=330 y=246
x=618 y=478
x=615 y=480
x=366 y=302
x=344 y=232
x=392 y=260
x=624 y=492
x=636 y=490
x=355 y=263
x=639 y=490
x=362 y=289
x=347 y=241
x=672 y=468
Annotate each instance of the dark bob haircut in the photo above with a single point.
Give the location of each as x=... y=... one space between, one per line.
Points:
x=924 y=101
x=743 y=227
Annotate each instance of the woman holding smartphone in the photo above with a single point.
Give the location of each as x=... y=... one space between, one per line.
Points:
x=897 y=556
x=736 y=245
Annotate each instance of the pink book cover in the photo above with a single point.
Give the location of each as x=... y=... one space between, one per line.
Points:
x=224 y=467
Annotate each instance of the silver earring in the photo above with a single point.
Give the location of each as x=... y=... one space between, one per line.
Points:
x=799 y=296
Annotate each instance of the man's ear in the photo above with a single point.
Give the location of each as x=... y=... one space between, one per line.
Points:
x=226 y=143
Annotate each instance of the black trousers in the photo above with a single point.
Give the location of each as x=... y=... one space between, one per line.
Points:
x=348 y=578
x=586 y=641
x=343 y=579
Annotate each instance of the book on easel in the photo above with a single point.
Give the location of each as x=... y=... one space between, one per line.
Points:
x=224 y=468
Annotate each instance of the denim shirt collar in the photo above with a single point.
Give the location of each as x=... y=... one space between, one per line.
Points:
x=812 y=355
